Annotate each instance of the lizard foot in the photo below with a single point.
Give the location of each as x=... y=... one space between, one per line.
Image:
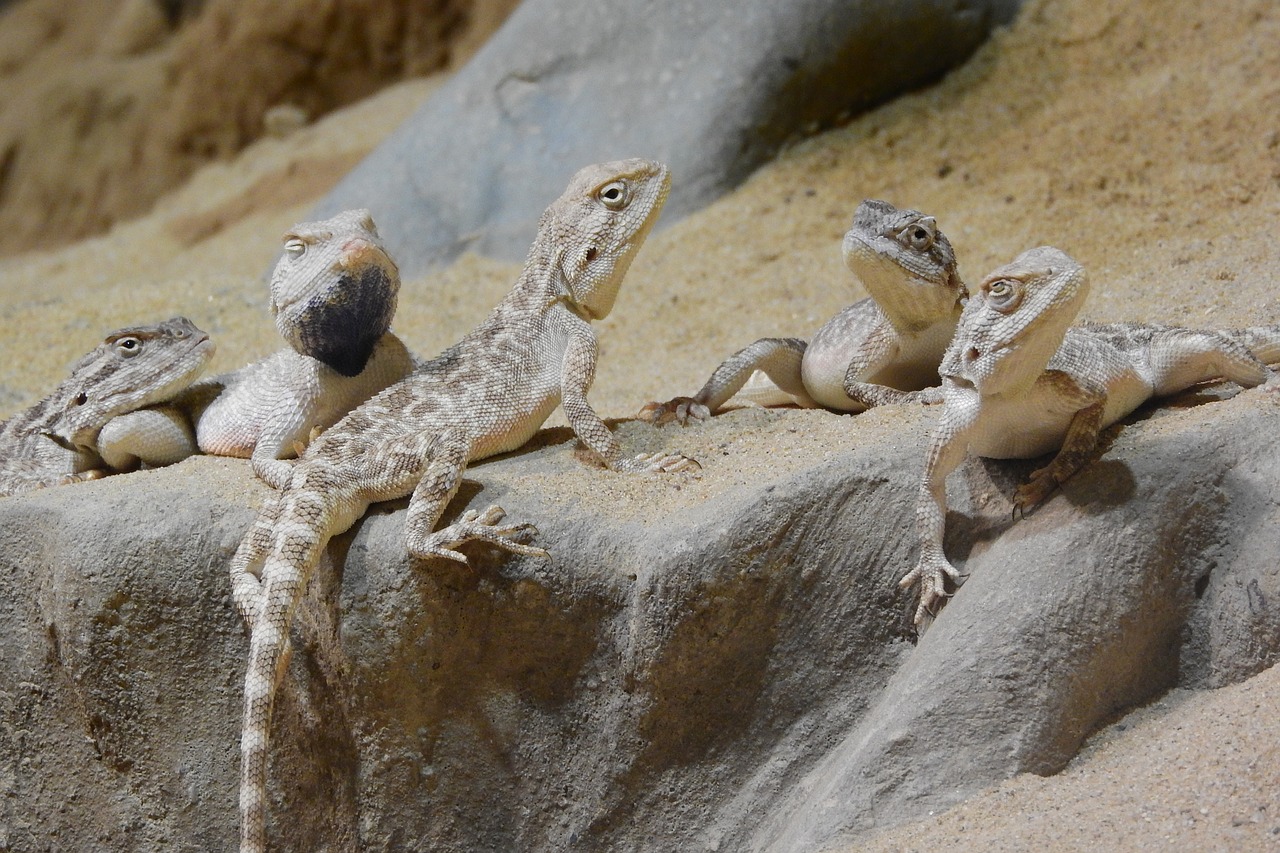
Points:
x=665 y=463
x=682 y=410
x=83 y=476
x=482 y=526
x=932 y=576
x=1035 y=491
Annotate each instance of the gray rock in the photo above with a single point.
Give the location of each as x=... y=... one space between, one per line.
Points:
x=712 y=89
x=719 y=663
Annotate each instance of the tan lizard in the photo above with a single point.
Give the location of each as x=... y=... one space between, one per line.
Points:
x=100 y=419
x=333 y=296
x=883 y=349
x=1019 y=381
x=486 y=394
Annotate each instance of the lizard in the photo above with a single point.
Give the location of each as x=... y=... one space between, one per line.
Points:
x=1019 y=381
x=106 y=415
x=333 y=295
x=882 y=349
x=486 y=394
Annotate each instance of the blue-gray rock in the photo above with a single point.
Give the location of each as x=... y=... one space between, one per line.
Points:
x=712 y=89
x=714 y=664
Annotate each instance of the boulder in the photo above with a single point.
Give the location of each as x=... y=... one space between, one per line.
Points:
x=714 y=662
x=711 y=89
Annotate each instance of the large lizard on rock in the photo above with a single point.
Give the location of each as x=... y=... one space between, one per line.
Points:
x=1019 y=381
x=107 y=415
x=333 y=296
x=882 y=349
x=486 y=394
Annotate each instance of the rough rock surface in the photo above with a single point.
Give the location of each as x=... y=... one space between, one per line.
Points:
x=713 y=663
x=711 y=89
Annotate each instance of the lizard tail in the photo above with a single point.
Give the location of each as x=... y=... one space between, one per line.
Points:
x=1262 y=341
x=296 y=550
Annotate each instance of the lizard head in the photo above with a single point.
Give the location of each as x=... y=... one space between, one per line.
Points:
x=1015 y=321
x=131 y=369
x=335 y=289
x=905 y=263
x=597 y=226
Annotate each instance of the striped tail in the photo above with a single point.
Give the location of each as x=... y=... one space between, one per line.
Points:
x=298 y=540
x=1262 y=341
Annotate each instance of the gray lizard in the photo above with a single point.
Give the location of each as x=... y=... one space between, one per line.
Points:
x=105 y=417
x=333 y=296
x=486 y=394
x=1019 y=381
x=882 y=349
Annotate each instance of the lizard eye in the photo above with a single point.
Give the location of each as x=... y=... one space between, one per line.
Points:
x=1004 y=295
x=918 y=236
x=614 y=195
x=81 y=399
x=128 y=347
x=295 y=248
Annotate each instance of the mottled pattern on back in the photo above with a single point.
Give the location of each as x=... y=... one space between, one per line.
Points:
x=486 y=394
x=56 y=440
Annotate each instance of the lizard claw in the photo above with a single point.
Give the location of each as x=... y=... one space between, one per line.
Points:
x=1035 y=491
x=664 y=463
x=679 y=409
x=932 y=576
x=83 y=476
x=484 y=527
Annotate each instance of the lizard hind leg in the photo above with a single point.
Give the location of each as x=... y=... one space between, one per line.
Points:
x=247 y=564
x=1180 y=358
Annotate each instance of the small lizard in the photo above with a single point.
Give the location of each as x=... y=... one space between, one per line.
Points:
x=333 y=296
x=1019 y=381
x=486 y=394
x=882 y=349
x=99 y=420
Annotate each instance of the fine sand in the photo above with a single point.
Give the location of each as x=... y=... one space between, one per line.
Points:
x=1140 y=137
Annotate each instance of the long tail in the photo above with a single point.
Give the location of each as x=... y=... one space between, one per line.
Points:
x=298 y=539
x=1262 y=341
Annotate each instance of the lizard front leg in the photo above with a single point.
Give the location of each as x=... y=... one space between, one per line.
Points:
x=576 y=375
x=447 y=455
x=779 y=358
x=947 y=449
x=878 y=351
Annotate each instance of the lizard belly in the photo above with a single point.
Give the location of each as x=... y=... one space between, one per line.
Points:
x=1023 y=425
x=509 y=435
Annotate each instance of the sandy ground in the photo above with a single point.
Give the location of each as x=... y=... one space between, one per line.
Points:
x=1140 y=137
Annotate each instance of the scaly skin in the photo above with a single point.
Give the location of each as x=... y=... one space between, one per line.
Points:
x=1019 y=381
x=486 y=394
x=100 y=420
x=333 y=296
x=883 y=349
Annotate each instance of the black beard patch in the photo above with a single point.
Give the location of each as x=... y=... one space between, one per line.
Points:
x=342 y=331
